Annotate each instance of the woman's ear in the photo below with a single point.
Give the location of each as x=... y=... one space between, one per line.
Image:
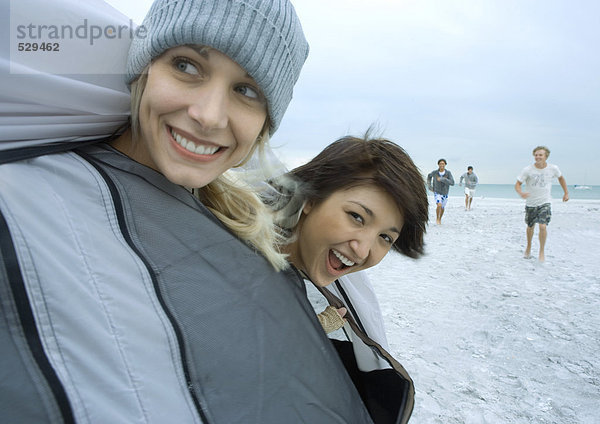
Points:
x=308 y=207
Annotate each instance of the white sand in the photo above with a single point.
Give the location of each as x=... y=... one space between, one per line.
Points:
x=490 y=337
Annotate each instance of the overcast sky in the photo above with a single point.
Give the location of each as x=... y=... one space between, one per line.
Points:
x=476 y=82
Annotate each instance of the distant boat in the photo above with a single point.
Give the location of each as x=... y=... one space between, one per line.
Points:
x=582 y=187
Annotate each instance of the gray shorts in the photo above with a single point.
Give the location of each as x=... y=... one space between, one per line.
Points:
x=538 y=214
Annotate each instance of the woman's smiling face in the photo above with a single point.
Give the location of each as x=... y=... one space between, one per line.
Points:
x=352 y=229
x=200 y=114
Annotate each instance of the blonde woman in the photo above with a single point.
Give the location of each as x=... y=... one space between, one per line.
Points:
x=125 y=298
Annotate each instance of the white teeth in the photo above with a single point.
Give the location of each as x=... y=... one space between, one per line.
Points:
x=205 y=150
x=190 y=146
x=342 y=258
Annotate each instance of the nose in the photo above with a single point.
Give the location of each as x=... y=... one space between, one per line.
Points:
x=361 y=247
x=209 y=106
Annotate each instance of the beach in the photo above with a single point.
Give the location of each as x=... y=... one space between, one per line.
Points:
x=491 y=337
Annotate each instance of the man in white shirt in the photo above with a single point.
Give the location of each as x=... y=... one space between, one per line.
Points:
x=538 y=179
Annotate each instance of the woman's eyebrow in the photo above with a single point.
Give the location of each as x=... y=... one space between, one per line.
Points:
x=372 y=214
x=205 y=53
x=367 y=210
x=201 y=50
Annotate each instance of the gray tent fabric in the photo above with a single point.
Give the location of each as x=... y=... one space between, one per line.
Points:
x=146 y=309
x=41 y=108
x=30 y=115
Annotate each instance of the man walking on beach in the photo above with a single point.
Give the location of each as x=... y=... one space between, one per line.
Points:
x=538 y=179
x=471 y=181
x=439 y=181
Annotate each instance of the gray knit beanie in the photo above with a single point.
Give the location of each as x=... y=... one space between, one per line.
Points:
x=263 y=36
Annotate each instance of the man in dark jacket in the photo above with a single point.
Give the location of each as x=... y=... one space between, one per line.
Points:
x=439 y=181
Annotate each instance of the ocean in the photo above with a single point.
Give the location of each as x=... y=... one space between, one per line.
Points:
x=507 y=191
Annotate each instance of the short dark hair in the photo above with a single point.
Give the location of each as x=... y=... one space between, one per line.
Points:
x=469 y=167
x=352 y=161
x=440 y=160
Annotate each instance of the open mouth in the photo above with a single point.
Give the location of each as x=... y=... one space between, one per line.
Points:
x=338 y=261
x=192 y=147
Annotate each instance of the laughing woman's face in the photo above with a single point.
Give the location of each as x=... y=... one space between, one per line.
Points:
x=351 y=230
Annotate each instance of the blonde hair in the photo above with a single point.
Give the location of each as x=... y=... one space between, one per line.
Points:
x=544 y=148
x=242 y=211
x=137 y=89
x=233 y=201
